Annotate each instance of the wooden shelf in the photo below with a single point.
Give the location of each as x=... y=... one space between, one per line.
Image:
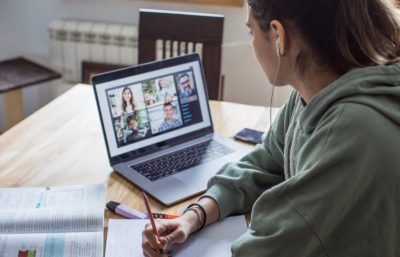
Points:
x=20 y=72
x=16 y=74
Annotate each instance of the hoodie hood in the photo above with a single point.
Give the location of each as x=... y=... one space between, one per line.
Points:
x=377 y=87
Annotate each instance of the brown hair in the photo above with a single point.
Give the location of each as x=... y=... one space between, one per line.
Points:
x=168 y=104
x=341 y=33
x=131 y=117
x=124 y=104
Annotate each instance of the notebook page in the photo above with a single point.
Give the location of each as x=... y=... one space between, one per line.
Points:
x=125 y=237
x=55 y=209
x=53 y=197
x=86 y=244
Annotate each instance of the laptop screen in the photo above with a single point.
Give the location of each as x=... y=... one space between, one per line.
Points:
x=152 y=103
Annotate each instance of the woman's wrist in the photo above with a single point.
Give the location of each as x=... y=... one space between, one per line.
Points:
x=192 y=218
x=200 y=212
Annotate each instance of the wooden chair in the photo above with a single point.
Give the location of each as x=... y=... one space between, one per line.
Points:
x=89 y=69
x=164 y=34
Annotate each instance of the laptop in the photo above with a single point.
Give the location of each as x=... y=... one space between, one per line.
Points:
x=158 y=129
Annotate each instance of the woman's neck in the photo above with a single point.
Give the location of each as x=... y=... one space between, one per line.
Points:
x=313 y=82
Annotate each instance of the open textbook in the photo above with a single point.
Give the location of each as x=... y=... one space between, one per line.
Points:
x=52 y=222
x=125 y=238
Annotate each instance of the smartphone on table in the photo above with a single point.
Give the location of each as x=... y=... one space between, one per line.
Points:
x=249 y=135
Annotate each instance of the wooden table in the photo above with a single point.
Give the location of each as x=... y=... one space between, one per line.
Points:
x=62 y=144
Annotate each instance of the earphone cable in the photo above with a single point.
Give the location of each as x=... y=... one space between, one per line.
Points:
x=272 y=93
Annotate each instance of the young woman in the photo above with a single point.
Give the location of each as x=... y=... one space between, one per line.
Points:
x=326 y=180
x=128 y=105
x=164 y=93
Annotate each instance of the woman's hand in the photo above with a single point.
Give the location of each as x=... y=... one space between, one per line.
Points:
x=171 y=231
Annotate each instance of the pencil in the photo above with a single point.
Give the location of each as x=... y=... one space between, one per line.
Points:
x=153 y=225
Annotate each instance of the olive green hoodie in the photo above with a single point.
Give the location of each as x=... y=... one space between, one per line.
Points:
x=326 y=180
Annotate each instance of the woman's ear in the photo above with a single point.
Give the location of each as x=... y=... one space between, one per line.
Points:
x=279 y=36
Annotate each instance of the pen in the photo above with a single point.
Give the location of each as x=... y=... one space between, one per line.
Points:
x=153 y=225
x=164 y=215
x=125 y=211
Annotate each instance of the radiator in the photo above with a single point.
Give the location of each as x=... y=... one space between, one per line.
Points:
x=72 y=41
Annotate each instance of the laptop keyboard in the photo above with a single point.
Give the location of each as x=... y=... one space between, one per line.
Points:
x=172 y=163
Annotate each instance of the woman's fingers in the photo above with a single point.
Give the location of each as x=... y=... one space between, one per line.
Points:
x=150 y=237
x=176 y=236
x=169 y=231
x=151 y=246
x=148 y=251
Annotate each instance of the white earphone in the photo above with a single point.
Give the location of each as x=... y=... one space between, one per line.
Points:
x=278 y=53
x=278 y=48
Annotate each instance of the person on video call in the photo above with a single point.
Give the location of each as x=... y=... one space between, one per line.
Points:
x=163 y=93
x=128 y=100
x=169 y=120
x=187 y=89
x=133 y=125
x=325 y=181
x=149 y=98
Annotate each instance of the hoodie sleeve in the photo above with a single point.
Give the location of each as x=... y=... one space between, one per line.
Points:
x=343 y=200
x=237 y=185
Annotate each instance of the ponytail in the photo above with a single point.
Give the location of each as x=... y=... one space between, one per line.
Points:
x=367 y=34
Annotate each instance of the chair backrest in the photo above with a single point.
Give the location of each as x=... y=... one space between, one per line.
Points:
x=89 y=69
x=164 y=34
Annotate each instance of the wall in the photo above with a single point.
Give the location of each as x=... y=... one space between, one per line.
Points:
x=23 y=24
x=23 y=31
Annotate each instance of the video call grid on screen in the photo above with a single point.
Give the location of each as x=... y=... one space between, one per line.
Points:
x=149 y=99
x=189 y=107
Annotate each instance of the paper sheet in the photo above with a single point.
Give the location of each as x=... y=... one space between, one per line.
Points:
x=52 y=222
x=58 y=209
x=86 y=244
x=125 y=238
x=54 y=197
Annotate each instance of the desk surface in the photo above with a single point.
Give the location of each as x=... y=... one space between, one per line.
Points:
x=62 y=144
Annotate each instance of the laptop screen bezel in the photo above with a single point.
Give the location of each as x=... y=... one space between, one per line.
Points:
x=137 y=70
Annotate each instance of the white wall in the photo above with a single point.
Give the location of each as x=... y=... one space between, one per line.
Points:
x=23 y=24
x=23 y=31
